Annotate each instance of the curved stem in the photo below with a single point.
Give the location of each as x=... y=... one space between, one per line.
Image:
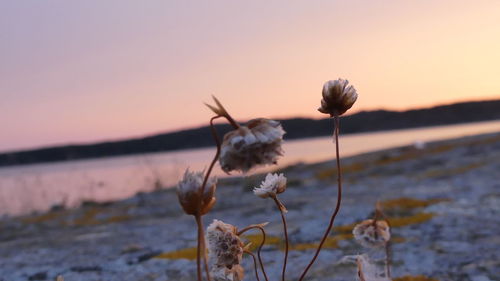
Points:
x=260 y=246
x=254 y=264
x=339 y=199
x=198 y=248
x=218 y=143
x=285 y=231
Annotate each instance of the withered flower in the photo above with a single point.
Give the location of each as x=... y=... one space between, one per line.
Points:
x=225 y=251
x=189 y=193
x=338 y=97
x=372 y=234
x=257 y=143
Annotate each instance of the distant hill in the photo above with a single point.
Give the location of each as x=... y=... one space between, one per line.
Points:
x=296 y=128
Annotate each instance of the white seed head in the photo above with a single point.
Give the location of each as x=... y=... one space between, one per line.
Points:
x=338 y=97
x=272 y=185
x=225 y=249
x=189 y=193
x=372 y=235
x=257 y=143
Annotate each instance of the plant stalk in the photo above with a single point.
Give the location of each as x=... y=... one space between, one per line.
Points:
x=285 y=231
x=339 y=198
x=254 y=264
x=260 y=246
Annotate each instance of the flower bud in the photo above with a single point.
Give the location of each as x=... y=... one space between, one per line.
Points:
x=189 y=193
x=338 y=97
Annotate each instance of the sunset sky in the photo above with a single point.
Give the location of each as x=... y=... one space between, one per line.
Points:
x=86 y=71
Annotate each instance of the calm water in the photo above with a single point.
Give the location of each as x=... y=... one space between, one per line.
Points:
x=38 y=187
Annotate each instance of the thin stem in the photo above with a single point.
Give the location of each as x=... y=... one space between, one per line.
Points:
x=218 y=143
x=339 y=199
x=388 y=259
x=280 y=207
x=198 y=248
x=254 y=264
x=201 y=235
x=388 y=256
x=260 y=246
x=199 y=223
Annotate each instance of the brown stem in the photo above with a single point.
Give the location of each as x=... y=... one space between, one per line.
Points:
x=260 y=246
x=339 y=199
x=199 y=223
x=281 y=207
x=254 y=264
x=198 y=248
x=201 y=242
x=218 y=143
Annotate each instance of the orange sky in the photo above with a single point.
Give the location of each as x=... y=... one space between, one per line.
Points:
x=90 y=71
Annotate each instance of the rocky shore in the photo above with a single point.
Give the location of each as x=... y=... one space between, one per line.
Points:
x=443 y=201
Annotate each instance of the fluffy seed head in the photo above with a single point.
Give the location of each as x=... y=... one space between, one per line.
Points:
x=257 y=143
x=372 y=235
x=272 y=185
x=225 y=249
x=338 y=97
x=189 y=193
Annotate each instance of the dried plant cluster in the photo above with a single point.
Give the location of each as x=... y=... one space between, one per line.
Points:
x=259 y=143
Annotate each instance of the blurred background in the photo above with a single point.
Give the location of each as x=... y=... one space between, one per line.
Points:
x=94 y=93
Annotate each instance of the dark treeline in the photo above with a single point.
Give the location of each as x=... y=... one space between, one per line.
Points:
x=364 y=121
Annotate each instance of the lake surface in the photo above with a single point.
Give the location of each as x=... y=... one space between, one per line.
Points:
x=24 y=189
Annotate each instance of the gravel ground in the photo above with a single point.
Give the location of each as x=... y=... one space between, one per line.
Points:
x=443 y=202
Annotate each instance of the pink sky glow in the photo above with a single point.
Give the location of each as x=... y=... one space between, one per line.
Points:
x=86 y=71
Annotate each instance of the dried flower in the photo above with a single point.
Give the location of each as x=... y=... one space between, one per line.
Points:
x=372 y=235
x=337 y=97
x=189 y=193
x=272 y=185
x=257 y=143
x=225 y=251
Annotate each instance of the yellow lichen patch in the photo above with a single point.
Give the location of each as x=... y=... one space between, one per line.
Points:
x=451 y=172
x=331 y=242
x=118 y=218
x=43 y=218
x=414 y=154
x=409 y=220
x=187 y=253
x=331 y=172
x=256 y=239
x=407 y=203
x=88 y=217
x=414 y=278
x=398 y=239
